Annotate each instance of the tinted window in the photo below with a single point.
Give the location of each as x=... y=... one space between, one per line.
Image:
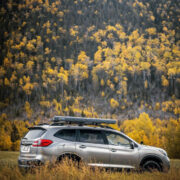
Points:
x=90 y=136
x=34 y=133
x=66 y=134
x=117 y=139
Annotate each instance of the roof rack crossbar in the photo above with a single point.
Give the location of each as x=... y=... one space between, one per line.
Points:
x=82 y=120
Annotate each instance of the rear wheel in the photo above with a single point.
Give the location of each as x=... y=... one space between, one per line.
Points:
x=151 y=166
x=69 y=158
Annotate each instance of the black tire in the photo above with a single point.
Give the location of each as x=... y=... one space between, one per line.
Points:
x=69 y=157
x=151 y=166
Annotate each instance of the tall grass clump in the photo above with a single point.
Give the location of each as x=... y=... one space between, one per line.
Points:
x=68 y=170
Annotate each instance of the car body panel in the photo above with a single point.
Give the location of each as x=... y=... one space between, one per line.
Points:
x=93 y=153
x=124 y=156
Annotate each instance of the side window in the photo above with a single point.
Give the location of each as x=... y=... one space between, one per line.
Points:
x=66 y=134
x=91 y=136
x=117 y=139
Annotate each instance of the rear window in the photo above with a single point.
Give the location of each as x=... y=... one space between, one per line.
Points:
x=34 y=133
x=66 y=134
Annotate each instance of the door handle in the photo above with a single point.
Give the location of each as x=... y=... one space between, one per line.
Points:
x=82 y=146
x=113 y=150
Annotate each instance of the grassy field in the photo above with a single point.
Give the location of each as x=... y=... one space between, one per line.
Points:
x=9 y=171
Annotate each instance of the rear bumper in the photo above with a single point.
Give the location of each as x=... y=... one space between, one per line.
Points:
x=24 y=163
x=27 y=160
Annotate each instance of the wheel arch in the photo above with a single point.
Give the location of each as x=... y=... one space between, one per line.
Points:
x=152 y=158
x=69 y=155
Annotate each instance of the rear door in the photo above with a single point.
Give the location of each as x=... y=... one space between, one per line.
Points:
x=26 y=147
x=66 y=141
x=91 y=147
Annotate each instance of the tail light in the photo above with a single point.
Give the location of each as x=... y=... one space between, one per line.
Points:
x=42 y=143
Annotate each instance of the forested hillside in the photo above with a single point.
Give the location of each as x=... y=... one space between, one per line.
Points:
x=107 y=58
x=95 y=58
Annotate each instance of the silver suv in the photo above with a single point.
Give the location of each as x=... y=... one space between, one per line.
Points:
x=97 y=146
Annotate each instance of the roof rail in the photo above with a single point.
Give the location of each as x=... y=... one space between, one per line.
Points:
x=41 y=124
x=81 y=120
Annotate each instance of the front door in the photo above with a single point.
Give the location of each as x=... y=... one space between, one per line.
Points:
x=121 y=153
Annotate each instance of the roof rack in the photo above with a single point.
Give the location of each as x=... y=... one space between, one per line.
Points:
x=81 y=120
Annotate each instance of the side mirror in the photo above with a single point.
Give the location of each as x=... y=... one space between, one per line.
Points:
x=141 y=142
x=131 y=145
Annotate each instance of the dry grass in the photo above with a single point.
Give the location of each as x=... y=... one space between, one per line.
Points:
x=69 y=171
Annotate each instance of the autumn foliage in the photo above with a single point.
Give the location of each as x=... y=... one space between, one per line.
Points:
x=91 y=58
x=154 y=132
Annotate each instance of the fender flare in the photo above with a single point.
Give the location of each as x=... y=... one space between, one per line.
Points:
x=151 y=157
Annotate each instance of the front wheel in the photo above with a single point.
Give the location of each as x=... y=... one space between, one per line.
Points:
x=151 y=166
